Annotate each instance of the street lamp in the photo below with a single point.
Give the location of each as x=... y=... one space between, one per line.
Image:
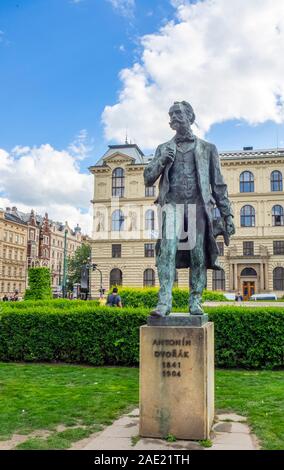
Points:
x=94 y=267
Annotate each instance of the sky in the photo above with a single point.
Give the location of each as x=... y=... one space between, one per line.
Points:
x=77 y=75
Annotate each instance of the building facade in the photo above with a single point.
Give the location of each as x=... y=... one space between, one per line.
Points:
x=30 y=240
x=13 y=253
x=125 y=223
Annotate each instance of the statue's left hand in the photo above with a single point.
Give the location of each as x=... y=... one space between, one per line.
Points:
x=230 y=227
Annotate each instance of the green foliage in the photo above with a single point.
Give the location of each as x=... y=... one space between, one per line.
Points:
x=171 y=438
x=83 y=332
x=205 y=443
x=148 y=297
x=39 y=284
x=75 y=264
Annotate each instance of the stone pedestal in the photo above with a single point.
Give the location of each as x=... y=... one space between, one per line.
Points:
x=177 y=381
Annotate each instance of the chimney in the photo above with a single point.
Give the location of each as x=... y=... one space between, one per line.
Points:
x=8 y=209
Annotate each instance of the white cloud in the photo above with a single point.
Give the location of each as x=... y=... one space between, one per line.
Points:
x=82 y=146
x=123 y=7
x=224 y=57
x=46 y=179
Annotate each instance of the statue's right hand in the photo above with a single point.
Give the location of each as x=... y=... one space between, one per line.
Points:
x=168 y=155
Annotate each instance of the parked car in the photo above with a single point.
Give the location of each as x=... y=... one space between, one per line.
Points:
x=268 y=296
x=229 y=295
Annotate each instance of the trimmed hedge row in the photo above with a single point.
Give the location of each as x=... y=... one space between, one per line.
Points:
x=65 y=304
x=148 y=297
x=244 y=337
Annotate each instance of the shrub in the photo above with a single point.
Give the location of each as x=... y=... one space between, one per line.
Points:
x=244 y=337
x=39 y=284
x=148 y=297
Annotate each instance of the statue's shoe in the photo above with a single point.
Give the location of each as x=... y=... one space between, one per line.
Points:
x=196 y=310
x=158 y=313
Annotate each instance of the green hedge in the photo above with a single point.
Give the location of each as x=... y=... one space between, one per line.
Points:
x=39 y=284
x=65 y=304
x=244 y=337
x=148 y=297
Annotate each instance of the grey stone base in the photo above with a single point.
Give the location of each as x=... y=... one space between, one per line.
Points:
x=178 y=319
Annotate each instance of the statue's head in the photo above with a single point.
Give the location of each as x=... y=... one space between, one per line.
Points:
x=181 y=115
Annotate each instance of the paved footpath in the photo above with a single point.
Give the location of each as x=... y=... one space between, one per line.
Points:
x=230 y=432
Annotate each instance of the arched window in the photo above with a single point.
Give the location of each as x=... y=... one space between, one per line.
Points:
x=246 y=182
x=118 y=182
x=276 y=181
x=277 y=216
x=117 y=220
x=149 y=277
x=278 y=278
x=115 y=277
x=248 y=272
x=247 y=216
x=149 y=220
x=218 y=280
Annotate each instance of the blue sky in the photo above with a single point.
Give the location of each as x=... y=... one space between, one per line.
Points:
x=75 y=74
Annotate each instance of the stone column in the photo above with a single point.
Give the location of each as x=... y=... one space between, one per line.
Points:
x=177 y=381
x=237 y=288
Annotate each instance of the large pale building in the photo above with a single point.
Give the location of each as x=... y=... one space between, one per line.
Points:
x=13 y=253
x=125 y=222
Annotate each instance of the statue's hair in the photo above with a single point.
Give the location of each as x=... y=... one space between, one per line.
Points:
x=188 y=109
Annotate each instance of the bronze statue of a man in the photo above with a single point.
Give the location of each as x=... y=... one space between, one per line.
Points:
x=190 y=177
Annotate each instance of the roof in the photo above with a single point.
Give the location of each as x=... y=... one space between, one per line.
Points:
x=131 y=150
x=242 y=154
x=14 y=218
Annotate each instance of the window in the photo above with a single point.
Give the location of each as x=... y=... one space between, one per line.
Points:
x=17 y=239
x=21 y=273
x=176 y=279
x=247 y=216
x=21 y=256
x=149 y=191
x=15 y=272
x=278 y=278
x=20 y=287
x=2 y=286
x=149 y=220
x=116 y=251
x=117 y=220
x=221 y=248
x=5 y=236
x=246 y=182
x=45 y=239
x=118 y=182
x=11 y=237
x=8 y=287
x=10 y=254
x=3 y=270
x=277 y=216
x=276 y=181
x=115 y=277
x=278 y=247
x=249 y=272
x=4 y=252
x=149 y=250
x=9 y=271
x=248 y=248
x=16 y=254
x=219 y=280
x=149 y=278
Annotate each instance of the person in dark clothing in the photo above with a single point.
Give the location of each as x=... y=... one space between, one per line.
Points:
x=113 y=299
x=5 y=298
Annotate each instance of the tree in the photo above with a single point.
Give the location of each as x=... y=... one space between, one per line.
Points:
x=75 y=264
x=39 y=284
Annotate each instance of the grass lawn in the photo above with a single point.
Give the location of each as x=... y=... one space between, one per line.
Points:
x=36 y=397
